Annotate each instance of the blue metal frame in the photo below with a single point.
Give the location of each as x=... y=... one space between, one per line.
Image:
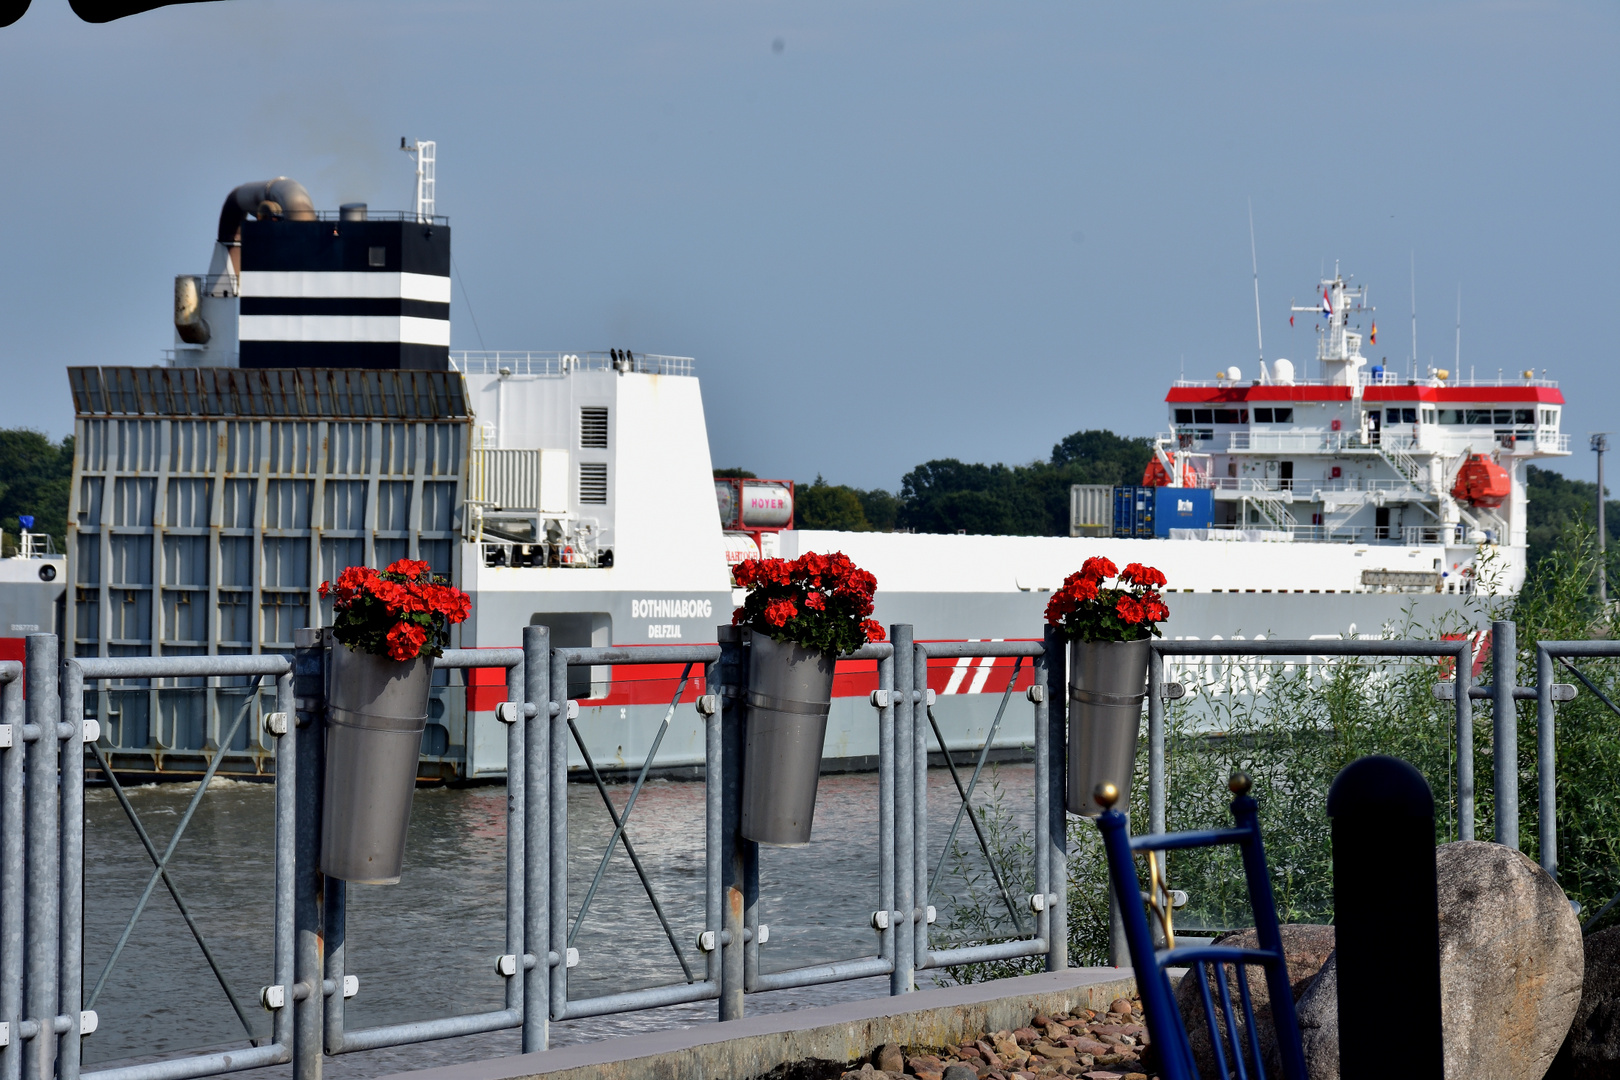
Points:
x=1158 y=1000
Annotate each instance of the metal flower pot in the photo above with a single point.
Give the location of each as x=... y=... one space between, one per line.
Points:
x=376 y=711
x=1107 y=685
x=789 y=694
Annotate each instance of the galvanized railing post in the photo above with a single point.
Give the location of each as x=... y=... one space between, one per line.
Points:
x=1464 y=706
x=334 y=960
x=13 y=868
x=1156 y=808
x=307 y=992
x=286 y=901
x=719 y=680
x=903 y=979
x=884 y=701
x=517 y=764
x=1050 y=717
x=536 y=975
x=1546 y=765
x=919 y=803
x=556 y=958
x=1155 y=704
x=734 y=665
x=1505 y=731
x=72 y=958
x=44 y=854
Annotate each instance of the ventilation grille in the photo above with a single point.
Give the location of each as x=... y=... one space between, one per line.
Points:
x=593 y=427
x=593 y=482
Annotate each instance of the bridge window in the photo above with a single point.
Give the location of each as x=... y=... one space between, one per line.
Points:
x=1184 y=416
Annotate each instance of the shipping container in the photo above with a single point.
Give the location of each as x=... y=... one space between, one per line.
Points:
x=1183 y=508
x=1091 y=510
x=1133 y=511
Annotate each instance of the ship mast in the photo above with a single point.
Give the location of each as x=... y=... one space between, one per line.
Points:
x=1338 y=348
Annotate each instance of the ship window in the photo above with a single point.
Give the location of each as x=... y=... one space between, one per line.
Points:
x=1283 y=416
x=1409 y=416
x=1184 y=416
x=1453 y=416
x=1226 y=416
x=377 y=256
x=1203 y=416
x=1549 y=417
x=1477 y=416
x=1428 y=416
x=593 y=431
x=1503 y=416
x=593 y=482
x=1524 y=416
x=1262 y=416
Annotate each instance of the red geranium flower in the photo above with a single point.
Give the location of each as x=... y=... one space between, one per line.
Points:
x=1087 y=609
x=818 y=600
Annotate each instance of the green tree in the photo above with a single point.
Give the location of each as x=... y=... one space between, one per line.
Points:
x=881 y=507
x=948 y=495
x=1556 y=505
x=35 y=476
x=820 y=505
x=734 y=474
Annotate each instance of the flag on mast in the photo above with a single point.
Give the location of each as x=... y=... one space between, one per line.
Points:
x=1327 y=305
x=1372 y=339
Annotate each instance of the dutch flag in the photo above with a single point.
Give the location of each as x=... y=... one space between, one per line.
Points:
x=1327 y=305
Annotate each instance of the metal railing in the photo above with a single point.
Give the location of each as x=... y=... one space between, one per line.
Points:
x=557 y=364
x=42 y=839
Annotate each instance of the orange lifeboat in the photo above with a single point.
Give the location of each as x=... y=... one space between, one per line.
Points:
x=1156 y=475
x=1481 y=482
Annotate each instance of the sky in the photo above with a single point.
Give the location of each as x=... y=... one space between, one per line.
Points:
x=888 y=231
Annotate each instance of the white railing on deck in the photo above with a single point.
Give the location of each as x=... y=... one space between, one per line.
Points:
x=558 y=363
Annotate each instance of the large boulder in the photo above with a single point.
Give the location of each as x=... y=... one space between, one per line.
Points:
x=1510 y=962
x=1306 y=947
x=1592 y=1049
x=1510 y=970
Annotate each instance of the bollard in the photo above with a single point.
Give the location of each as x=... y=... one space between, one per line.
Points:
x=1386 y=910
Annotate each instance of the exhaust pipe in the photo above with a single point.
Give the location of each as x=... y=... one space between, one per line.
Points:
x=278 y=198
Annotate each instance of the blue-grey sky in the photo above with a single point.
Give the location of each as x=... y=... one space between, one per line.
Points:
x=888 y=231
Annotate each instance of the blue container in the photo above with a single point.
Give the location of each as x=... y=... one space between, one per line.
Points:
x=1182 y=508
x=1133 y=511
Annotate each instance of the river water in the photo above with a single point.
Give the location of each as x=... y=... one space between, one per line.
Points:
x=426 y=947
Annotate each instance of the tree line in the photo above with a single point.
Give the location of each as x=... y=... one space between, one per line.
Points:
x=944 y=495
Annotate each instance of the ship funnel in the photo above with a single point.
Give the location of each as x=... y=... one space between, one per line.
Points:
x=281 y=197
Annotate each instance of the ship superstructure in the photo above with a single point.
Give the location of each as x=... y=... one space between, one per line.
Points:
x=1362 y=454
x=311 y=416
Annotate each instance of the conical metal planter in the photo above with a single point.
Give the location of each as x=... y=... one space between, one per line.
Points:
x=789 y=695
x=1107 y=685
x=376 y=712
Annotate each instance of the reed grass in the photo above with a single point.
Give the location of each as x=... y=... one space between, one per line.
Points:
x=1292 y=727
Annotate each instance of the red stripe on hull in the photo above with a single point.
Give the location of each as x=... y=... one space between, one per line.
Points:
x=654 y=684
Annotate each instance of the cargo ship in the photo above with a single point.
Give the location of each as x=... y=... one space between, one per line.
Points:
x=311 y=415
